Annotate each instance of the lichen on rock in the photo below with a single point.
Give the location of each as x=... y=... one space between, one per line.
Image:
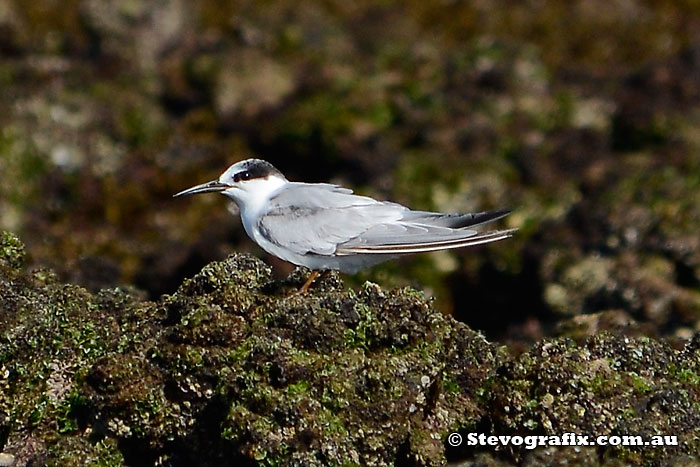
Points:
x=235 y=367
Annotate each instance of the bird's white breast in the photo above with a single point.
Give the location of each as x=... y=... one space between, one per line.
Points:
x=254 y=200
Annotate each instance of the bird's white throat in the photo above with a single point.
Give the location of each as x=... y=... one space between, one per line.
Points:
x=253 y=196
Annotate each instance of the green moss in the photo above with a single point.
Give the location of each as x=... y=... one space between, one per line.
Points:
x=299 y=388
x=639 y=384
x=229 y=365
x=11 y=250
x=83 y=451
x=686 y=375
x=67 y=410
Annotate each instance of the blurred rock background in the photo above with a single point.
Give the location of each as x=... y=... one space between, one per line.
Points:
x=581 y=116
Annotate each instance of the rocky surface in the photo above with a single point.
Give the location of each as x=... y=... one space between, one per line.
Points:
x=582 y=117
x=236 y=368
x=588 y=131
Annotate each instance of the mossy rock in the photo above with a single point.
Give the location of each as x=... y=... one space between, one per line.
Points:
x=236 y=368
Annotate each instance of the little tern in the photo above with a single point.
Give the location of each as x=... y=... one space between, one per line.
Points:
x=324 y=226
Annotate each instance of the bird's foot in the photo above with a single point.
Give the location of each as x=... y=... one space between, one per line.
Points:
x=309 y=282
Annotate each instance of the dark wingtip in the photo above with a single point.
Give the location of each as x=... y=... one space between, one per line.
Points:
x=498 y=214
x=471 y=220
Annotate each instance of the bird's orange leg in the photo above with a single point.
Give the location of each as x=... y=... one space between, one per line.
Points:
x=307 y=285
x=305 y=288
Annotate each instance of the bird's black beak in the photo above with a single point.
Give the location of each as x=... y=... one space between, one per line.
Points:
x=209 y=187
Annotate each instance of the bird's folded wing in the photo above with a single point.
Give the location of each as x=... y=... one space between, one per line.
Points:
x=316 y=218
x=330 y=220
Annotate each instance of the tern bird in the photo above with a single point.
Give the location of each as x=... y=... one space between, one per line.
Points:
x=324 y=226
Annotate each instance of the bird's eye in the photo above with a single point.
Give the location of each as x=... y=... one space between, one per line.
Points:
x=245 y=175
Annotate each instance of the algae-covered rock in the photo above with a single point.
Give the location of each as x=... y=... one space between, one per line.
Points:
x=11 y=250
x=233 y=367
x=236 y=368
x=582 y=120
x=242 y=366
x=610 y=385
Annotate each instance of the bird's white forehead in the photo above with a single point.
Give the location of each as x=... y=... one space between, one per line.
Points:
x=257 y=169
x=232 y=170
